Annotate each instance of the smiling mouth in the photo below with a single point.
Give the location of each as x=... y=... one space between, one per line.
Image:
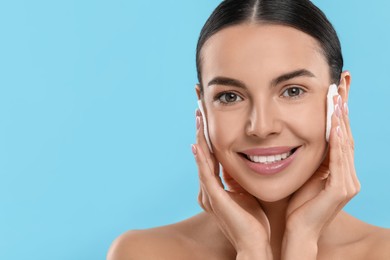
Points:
x=268 y=159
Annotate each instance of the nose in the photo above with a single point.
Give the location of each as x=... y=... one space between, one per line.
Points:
x=264 y=121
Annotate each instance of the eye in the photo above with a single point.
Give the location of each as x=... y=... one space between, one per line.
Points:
x=293 y=92
x=228 y=97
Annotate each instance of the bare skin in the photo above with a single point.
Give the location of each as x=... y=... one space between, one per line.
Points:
x=295 y=214
x=199 y=237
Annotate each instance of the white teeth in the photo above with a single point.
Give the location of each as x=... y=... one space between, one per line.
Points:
x=269 y=158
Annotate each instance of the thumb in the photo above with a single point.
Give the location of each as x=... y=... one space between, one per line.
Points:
x=231 y=183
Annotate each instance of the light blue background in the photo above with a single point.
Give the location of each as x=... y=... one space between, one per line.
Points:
x=97 y=116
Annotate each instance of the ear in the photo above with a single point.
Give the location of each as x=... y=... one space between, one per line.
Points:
x=344 y=86
x=198 y=91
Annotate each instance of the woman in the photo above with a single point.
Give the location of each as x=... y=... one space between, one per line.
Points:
x=264 y=69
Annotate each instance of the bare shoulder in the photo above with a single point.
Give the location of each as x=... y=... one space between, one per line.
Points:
x=193 y=238
x=373 y=245
x=146 y=244
x=378 y=244
x=352 y=238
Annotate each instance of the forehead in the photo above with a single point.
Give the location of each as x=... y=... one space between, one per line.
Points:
x=260 y=52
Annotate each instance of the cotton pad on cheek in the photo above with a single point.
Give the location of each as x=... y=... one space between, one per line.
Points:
x=205 y=129
x=332 y=91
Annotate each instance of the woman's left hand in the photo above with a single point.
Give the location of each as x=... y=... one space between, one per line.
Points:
x=319 y=200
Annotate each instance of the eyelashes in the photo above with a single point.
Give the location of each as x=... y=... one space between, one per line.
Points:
x=229 y=97
x=294 y=90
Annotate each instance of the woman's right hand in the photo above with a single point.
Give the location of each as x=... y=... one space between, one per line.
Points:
x=238 y=214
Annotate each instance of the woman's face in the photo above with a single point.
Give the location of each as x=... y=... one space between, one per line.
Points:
x=265 y=86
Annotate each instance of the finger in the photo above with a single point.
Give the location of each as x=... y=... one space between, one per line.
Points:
x=349 y=147
x=201 y=140
x=338 y=182
x=351 y=141
x=341 y=165
x=336 y=157
x=345 y=126
x=231 y=183
x=203 y=200
x=348 y=126
x=213 y=193
x=207 y=178
x=346 y=155
x=200 y=197
x=345 y=160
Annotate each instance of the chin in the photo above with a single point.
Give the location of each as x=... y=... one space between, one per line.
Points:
x=270 y=198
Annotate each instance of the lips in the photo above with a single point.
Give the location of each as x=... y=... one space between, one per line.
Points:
x=268 y=161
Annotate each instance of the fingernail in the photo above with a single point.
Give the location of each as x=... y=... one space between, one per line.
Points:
x=338 y=130
x=346 y=110
x=193 y=148
x=339 y=101
x=197 y=122
x=197 y=112
x=337 y=110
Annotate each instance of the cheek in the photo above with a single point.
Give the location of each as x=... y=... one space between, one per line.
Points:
x=224 y=129
x=309 y=125
x=309 y=121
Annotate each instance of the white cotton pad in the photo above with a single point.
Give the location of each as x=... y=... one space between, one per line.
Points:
x=205 y=129
x=332 y=91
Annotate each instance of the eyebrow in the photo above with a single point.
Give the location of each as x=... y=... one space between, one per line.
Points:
x=225 y=81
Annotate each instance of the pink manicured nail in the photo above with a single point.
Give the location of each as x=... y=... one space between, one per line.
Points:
x=197 y=112
x=346 y=110
x=193 y=148
x=197 y=122
x=339 y=101
x=337 y=110
x=338 y=130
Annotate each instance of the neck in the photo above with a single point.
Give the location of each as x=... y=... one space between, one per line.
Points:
x=276 y=214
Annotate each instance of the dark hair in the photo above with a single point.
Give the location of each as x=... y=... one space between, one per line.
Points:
x=300 y=14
